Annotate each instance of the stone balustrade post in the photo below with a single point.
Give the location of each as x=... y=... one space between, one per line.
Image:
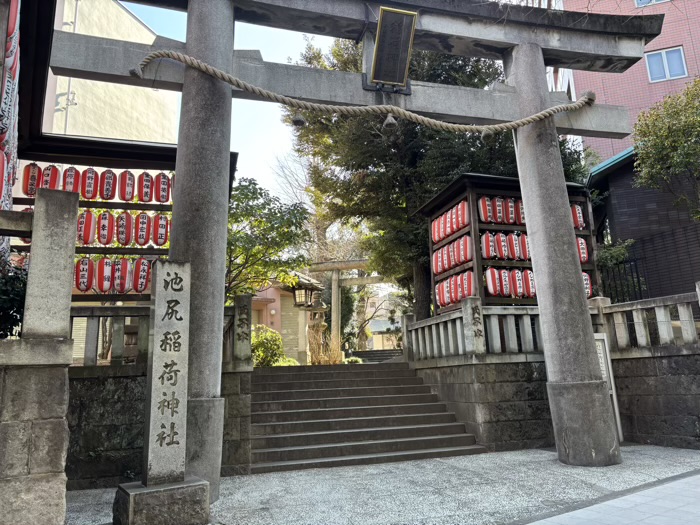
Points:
x=473 y=325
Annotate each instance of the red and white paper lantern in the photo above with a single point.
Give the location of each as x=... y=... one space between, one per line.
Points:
x=524 y=247
x=453 y=217
x=50 y=178
x=142 y=229
x=108 y=185
x=587 y=286
x=497 y=210
x=162 y=188
x=513 y=246
x=441 y=227
x=122 y=278
x=161 y=227
x=438 y=301
x=582 y=250
x=447 y=217
x=103 y=275
x=455 y=295
x=435 y=231
x=127 y=186
x=519 y=213
x=463 y=249
x=493 y=281
x=437 y=263
x=577 y=215
x=509 y=211
x=84 y=274
x=517 y=286
x=105 y=228
x=30 y=179
x=504 y=276
x=145 y=187
x=485 y=211
x=488 y=246
x=125 y=228
x=466 y=284
x=446 y=259
x=90 y=184
x=529 y=283
x=87 y=226
x=462 y=215
x=71 y=179
x=142 y=274
x=501 y=242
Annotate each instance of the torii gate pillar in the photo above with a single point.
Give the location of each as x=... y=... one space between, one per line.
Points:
x=199 y=228
x=584 y=426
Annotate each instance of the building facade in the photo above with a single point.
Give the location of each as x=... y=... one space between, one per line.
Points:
x=671 y=61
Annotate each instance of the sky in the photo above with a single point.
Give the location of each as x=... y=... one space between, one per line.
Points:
x=257 y=132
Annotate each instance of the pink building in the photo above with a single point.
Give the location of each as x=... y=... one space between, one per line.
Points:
x=671 y=61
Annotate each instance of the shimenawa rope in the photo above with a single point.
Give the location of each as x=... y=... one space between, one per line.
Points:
x=586 y=99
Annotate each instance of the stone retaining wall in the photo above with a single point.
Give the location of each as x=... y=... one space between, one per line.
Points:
x=504 y=404
x=659 y=399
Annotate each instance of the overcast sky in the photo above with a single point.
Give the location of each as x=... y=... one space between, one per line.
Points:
x=257 y=132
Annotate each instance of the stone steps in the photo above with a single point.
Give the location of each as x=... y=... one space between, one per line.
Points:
x=377 y=356
x=348 y=415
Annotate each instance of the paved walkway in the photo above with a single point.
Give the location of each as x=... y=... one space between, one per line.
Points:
x=674 y=503
x=488 y=489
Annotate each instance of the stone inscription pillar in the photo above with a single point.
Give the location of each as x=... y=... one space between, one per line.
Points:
x=200 y=210
x=584 y=426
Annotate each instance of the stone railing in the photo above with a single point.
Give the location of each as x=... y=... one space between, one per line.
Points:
x=475 y=329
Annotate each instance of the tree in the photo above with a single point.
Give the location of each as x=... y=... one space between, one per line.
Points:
x=265 y=238
x=380 y=178
x=13 y=289
x=667 y=146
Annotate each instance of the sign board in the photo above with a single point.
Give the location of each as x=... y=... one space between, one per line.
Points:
x=392 y=49
x=168 y=354
x=602 y=347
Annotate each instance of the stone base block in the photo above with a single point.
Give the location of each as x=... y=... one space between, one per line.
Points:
x=584 y=424
x=38 y=499
x=183 y=503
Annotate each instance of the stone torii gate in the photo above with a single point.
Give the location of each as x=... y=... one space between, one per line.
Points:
x=526 y=39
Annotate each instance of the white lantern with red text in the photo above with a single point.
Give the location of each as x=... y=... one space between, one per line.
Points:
x=71 y=180
x=142 y=274
x=50 y=178
x=504 y=276
x=501 y=242
x=524 y=247
x=513 y=246
x=509 y=211
x=84 y=274
x=462 y=215
x=455 y=292
x=441 y=227
x=448 y=224
x=434 y=231
x=90 y=184
x=463 y=249
x=125 y=228
x=517 y=286
x=582 y=250
x=485 y=211
x=162 y=188
x=497 y=210
x=493 y=281
x=30 y=179
x=446 y=259
x=577 y=215
x=488 y=246
x=103 y=275
x=161 y=227
x=105 y=228
x=122 y=276
x=529 y=283
x=519 y=212
x=466 y=282
x=587 y=286
x=127 y=186
x=87 y=225
x=142 y=229
x=144 y=187
x=108 y=185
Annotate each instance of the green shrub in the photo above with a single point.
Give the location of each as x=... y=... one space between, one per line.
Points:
x=352 y=361
x=287 y=361
x=267 y=346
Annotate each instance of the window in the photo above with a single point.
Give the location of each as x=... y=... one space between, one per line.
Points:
x=666 y=65
x=643 y=3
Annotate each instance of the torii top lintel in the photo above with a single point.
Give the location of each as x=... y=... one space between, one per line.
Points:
x=570 y=39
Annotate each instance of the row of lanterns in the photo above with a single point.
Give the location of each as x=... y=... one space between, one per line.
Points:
x=124 y=228
x=112 y=275
x=450 y=222
x=452 y=255
x=92 y=184
x=498 y=210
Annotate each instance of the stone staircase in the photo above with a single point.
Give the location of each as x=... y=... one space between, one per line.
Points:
x=377 y=356
x=323 y=416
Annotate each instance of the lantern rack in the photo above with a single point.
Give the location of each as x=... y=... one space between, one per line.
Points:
x=471 y=187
